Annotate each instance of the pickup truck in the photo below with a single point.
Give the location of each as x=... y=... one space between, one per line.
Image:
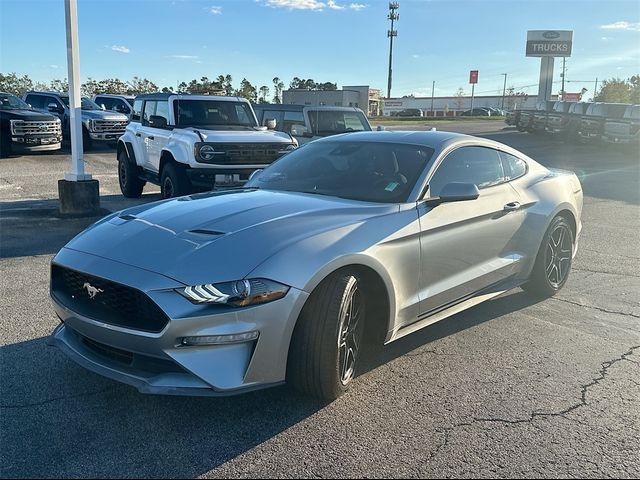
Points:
x=97 y=124
x=534 y=120
x=23 y=129
x=565 y=123
x=192 y=143
x=309 y=122
x=592 y=122
x=116 y=103
x=625 y=130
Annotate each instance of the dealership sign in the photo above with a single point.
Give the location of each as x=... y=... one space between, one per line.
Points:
x=549 y=43
x=473 y=76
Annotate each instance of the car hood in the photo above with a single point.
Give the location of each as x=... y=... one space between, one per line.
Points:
x=245 y=136
x=27 y=115
x=220 y=236
x=104 y=115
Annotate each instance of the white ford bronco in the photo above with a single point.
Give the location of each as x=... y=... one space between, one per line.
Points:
x=192 y=143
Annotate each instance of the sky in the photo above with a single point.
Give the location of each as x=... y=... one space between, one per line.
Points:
x=343 y=41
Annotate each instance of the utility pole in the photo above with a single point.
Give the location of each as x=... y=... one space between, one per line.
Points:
x=562 y=75
x=393 y=16
x=504 y=89
x=595 y=89
x=433 y=87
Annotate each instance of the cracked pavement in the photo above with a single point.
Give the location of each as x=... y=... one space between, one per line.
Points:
x=515 y=387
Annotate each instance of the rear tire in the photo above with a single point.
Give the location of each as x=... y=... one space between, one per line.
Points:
x=327 y=341
x=174 y=182
x=553 y=262
x=131 y=185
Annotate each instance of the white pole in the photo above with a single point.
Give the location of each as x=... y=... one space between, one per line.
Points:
x=75 y=111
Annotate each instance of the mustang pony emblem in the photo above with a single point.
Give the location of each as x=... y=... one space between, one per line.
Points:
x=91 y=290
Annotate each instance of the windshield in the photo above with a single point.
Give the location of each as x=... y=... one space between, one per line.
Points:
x=85 y=105
x=332 y=122
x=365 y=171
x=213 y=113
x=11 y=102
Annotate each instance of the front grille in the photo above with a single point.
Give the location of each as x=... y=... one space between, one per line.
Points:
x=113 y=303
x=115 y=354
x=246 y=154
x=111 y=126
x=21 y=127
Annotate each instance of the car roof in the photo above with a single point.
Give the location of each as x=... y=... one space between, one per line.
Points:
x=188 y=96
x=59 y=94
x=298 y=107
x=434 y=139
x=115 y=95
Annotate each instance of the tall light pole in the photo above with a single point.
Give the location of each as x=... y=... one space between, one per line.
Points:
x=433 y=87
x=393 y=16
x=504 y=89
x=78 y=192
x=562 y=75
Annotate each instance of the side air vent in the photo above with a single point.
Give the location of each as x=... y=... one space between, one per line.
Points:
x=204 y=231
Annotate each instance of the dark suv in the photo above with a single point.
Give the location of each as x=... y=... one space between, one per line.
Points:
x=22 y=129
x=624 y=130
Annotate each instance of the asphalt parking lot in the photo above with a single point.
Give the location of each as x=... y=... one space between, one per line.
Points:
x=515 y=387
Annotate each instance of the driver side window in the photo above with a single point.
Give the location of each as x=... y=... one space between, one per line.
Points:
x=478 y=165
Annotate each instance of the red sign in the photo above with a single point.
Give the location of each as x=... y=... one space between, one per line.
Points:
x=473 y=76
x=572 y=97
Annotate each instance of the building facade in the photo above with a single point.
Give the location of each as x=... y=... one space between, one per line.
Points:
x=361 y=96
x=452 y=106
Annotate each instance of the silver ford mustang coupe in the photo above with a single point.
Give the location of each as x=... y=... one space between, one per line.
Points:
x=360 y=236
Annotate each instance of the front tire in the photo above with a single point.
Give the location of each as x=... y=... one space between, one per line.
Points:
x=87 y=142
x=131 y=185
x=174 y=182
x=553 y=262
x=327 y=341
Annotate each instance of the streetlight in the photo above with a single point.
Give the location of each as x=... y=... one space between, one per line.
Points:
x=504 y=89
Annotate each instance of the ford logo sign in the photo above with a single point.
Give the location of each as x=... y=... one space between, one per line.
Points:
x=551 y=35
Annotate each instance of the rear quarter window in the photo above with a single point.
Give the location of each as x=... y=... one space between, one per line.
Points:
x=514 y=167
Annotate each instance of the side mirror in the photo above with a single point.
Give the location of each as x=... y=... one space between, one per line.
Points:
x=299 y=131
x=157 y=121
x=53 y=107
x=255 y=173
x=380 y=128
x=457 y=192
x=270 y=123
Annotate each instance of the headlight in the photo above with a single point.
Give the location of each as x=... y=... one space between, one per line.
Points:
x=287 y=149
x=206 y=152
x=14 y=124
x=240 y=293
x=92 y=125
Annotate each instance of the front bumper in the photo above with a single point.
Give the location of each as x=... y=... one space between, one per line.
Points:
x=106 y=136
x=155 y=362
x=35 y=144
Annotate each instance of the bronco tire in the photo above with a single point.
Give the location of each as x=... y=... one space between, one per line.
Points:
x=131 y=185
x=174 y=182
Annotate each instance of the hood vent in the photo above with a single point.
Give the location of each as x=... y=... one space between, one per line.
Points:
x=204 y=231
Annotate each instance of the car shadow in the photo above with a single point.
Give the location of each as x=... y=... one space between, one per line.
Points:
x=23 y=222
x=59 y=420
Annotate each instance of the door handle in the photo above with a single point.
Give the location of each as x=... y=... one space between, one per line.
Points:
x=512 y=206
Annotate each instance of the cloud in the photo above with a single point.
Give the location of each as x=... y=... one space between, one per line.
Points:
x=622 y=25
x=214 y=10
x=54 y=66
x=605 y=38
x=120 y=48
x=415 y=55
x=184 y=57
x=296 y=4
x=315 y=5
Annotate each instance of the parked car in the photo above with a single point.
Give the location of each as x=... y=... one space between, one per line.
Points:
x=366 y=237
x=477 y=112
x=525 y=120
x=410 y=112
x=625 y=130
x=564 y=119
x=592 y=122
x=496 y=112
x=117 y=103
x=190 y=143
x=307 y=122
x=97 y=125
x=22 y=129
